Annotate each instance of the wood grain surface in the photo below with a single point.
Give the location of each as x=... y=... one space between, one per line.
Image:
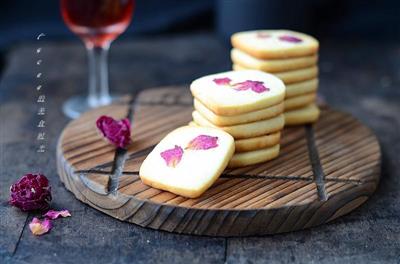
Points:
x=323 y=172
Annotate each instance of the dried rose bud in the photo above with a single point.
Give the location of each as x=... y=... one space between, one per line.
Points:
x=117 y=132
x=31 y=192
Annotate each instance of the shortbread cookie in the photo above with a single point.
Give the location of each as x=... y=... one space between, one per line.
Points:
x=254 y=157
x=192 y=123
x=300 y=88
x=299 y=101
x=219 y=120
x=275 y=44
x=289 y=77
x=188 y=160
x=308 y=114
x=275 y=65
x=249 y=130
x=233 y=93
x=256 y=143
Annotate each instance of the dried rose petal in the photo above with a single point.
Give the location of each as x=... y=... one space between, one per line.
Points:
x=222 y=81
x=117 y=132
x=31 y=192
x=52 y=214
x=289 y=38
x=172 y=156
x=263 y=35
x=38 y=227
x=255 y=86
x=203 y=142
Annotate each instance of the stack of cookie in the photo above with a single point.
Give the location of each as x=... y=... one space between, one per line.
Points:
x=292 y=57
x=246 y=104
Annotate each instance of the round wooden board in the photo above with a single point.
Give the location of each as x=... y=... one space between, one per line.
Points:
x=323 y=171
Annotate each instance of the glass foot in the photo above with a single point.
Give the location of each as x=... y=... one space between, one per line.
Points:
x=77 y=105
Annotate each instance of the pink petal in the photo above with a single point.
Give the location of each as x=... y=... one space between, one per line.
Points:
x=172 y=156
x=241 y=86
x=52 y=214
x=203 y=142
x=289 y=38
x=222 y=81
x=259 y=88
x=117 y=132
x=263 y=35
x=38 y=227
x=255 y=86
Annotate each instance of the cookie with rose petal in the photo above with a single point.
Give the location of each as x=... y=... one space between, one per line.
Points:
x=254 y=157
x=299 y=101
x=275 y=44
x=220 y=120
x=249 y=130
x=188 y=160
x=256 y=143
x=238 y=92
x=299 y=88
x=289 y=77
x=272 y=65
x=305 y=115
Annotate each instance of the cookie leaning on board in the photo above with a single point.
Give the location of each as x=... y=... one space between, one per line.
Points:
x=188 y=160
x=292 y=57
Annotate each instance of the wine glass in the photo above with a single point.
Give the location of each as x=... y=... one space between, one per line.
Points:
x=97 y=23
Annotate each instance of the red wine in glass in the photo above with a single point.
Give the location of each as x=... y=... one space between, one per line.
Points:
x=97 y=23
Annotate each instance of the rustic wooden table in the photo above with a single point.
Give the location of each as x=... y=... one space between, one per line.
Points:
x=358 y=77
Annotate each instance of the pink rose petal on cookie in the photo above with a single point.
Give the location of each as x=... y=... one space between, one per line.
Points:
x=289 y=38
x=222 y=81
x=172 y=156
x=255 y=86
x=38 y=227
x=117 y=132
x=203 y=142
x=52 y=214
x=263 y=35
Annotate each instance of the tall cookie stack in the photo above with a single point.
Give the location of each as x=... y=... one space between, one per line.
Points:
x=246 y=104
x=290 y=56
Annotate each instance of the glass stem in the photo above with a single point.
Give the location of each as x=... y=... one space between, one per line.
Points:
x=98 y=76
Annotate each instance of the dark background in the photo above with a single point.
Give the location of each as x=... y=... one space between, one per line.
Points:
x=364 y=19
x=369 y=20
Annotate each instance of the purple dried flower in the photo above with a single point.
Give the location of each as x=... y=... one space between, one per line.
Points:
x=117 y=132
x=31 y=192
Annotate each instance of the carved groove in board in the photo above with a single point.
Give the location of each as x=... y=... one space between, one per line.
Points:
x=316 y=163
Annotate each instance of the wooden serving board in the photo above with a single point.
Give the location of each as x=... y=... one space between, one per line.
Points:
x=323 y=171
